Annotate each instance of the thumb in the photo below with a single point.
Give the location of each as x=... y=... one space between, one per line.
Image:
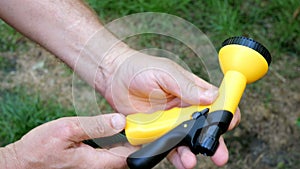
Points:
x=97 y=126
x=193 y=93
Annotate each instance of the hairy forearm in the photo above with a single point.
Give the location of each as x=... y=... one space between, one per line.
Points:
x=56 y=25
x=64 y=27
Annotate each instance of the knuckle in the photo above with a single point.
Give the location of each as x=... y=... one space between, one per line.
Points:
x=66 y=127
x=100 y=129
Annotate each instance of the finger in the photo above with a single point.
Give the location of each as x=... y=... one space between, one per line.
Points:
x=235 y=120
x=186 y=86
x=111 y=160
x=182 y=157
x=202 y=83
x=175 y=159
x=77 y=129
x=87 y=157
x=125 y=150
x=221 y=156
x=188 y=159
x=116 y=157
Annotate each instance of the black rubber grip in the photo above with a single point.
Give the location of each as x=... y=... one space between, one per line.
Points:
x=216 y=124
x=153 y=153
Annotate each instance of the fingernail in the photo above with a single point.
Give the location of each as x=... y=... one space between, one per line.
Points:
x=118 y=121
x=211 y=93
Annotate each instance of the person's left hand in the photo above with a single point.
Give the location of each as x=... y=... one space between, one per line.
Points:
x=145 y=83
x=58 y=144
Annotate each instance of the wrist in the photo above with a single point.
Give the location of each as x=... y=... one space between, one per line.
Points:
x=109 y=65
x=100 y=58
x=9 y=158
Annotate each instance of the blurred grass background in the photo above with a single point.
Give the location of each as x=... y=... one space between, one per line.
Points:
x=274 y=23
x=21 y=111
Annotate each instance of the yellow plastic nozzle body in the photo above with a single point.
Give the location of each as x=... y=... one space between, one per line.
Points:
x=143 y=128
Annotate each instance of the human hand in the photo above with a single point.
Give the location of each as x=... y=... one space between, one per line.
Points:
x=58 y=144
x=144 y=83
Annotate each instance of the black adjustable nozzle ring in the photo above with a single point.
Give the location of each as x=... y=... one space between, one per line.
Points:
x=248 y=42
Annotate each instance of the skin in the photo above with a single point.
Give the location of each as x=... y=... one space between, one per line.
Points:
x=63 y=27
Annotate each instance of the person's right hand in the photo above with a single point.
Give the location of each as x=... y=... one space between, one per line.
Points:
x=58 y=144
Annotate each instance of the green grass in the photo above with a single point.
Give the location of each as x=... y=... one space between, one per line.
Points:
x=275 y=23
x=111 y=9
x=270 y=22
x=21 y=111
x=7 y=64
x=298 y=122
x=10 y=39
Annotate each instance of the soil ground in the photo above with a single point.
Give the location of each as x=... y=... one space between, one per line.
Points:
x=267 y=137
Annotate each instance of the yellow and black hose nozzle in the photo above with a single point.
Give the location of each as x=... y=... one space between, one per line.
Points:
x=242 y=61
